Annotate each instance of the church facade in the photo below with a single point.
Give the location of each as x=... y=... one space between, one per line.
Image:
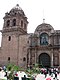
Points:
x=25 y=50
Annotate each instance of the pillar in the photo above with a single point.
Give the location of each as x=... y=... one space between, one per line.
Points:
x=52 y=58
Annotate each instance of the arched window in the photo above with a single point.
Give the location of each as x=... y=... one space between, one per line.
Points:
x=8 y=23
x=44 y=39
x=24 y=59
x=14 y=22
x=8 y=58
x=9 y=38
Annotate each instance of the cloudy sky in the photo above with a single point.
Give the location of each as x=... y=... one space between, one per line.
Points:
x=35 y=10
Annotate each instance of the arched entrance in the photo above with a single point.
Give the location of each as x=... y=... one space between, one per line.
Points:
x=44 y=59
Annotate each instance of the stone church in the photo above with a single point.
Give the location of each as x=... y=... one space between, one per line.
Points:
x=26 y=49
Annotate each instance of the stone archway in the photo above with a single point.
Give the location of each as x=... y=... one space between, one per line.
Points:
x=45 y=60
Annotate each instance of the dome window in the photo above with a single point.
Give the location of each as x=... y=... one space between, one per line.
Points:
x=8 y=23
x=44 y=39
x=14 y=22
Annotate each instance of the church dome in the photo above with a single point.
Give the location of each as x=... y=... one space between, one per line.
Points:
x=16 y=10
x=44 y=26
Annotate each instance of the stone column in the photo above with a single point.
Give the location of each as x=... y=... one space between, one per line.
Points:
x=49 y=40
x=17 y=35
x=39 y=39
x=35 y=56
x=59 y=57
x=29 y=58
x=52 y=58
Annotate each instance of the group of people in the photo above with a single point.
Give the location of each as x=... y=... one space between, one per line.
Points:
x=53 y=72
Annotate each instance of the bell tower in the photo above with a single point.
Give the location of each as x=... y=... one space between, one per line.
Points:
x=15 y=20
x=15 y=25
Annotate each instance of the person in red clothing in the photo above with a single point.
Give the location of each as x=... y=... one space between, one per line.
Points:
x=48 y=79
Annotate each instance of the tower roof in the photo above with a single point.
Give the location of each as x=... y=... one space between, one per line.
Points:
x=15 y=10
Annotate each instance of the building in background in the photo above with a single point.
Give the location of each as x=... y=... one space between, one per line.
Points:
x=25 y=50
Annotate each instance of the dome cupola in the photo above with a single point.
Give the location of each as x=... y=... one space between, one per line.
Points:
x=44 y=27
